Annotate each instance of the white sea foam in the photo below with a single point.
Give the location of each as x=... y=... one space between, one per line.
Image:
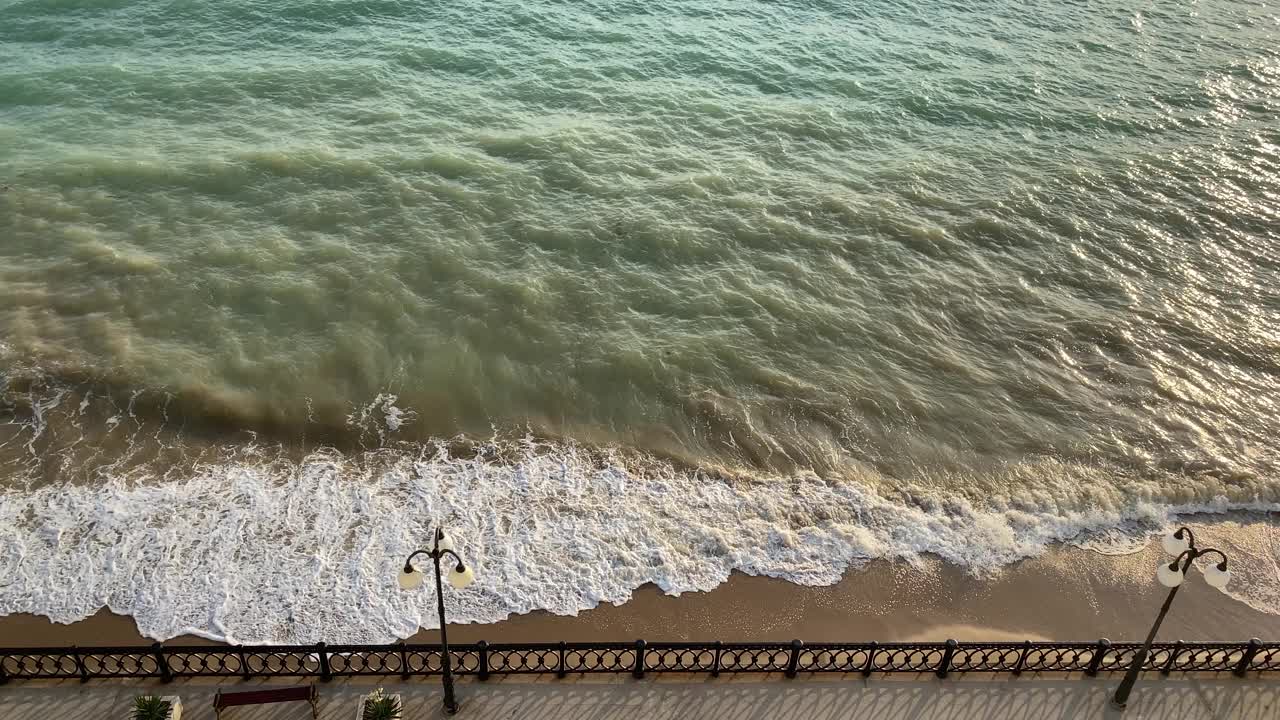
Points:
x=1128 y=538
x=392 y=416
x=259 y=551
x=380 y=417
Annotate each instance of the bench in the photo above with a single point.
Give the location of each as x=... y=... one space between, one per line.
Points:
x=224 y=700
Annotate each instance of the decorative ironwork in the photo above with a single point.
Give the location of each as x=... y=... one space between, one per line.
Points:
x=638 y=658
x=1267 y=658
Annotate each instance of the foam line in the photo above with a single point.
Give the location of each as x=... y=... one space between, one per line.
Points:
x=272 y=551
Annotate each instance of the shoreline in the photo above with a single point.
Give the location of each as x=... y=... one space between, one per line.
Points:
x=248 y=544
x=1067 y=594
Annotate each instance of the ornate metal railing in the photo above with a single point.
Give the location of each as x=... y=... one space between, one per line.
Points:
x=638 y=658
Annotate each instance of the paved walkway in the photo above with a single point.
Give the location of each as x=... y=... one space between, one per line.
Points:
x=670 y=697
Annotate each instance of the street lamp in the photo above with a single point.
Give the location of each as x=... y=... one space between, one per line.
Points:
x=459 y=576
x=1181 y=544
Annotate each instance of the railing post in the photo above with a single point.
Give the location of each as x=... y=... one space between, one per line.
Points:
x=1173 y=655
x=560 y=671
x=871 y=659
x=4 y=675
x=1250 y=650
x=162 y=663
x=638 y=672
x=793 y=662
x=80 y=666
x=1095 y=662
x=715 y=664
x=325 y=674
x=404 y=660
x=1022 y=658
x=484 y=660
x=244 y=662
x=945 y=666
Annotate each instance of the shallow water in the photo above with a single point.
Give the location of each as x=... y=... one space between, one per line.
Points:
x=684 y=287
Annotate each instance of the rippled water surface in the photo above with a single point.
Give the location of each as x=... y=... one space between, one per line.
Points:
x=671 y=287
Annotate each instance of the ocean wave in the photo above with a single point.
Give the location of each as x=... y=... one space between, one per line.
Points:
x=246 y=543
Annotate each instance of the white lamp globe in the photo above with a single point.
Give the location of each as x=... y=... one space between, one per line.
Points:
x=1217 y=577
x=1169 y=576
x=1175 y=545
x=445 y=542
x=411 y=580
x=461 y=578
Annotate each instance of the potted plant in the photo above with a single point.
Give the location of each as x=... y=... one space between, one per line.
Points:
x=377 y=705
x=152 y=707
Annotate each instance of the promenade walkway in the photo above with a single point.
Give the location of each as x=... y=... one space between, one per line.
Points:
x=669 y=697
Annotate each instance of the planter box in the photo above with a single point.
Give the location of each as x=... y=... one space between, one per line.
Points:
x=175 y=707
x=360 y=705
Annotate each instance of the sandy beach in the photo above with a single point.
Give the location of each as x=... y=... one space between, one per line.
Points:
x=1068 y=594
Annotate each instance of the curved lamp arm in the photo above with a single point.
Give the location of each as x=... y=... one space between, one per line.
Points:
x=1190 y=554
x=1222 y=565
x=408 y=563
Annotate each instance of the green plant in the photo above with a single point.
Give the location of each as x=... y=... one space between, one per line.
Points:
x=380 y=707
x=150 y=707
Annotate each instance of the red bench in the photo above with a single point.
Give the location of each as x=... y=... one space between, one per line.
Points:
x=224 y=700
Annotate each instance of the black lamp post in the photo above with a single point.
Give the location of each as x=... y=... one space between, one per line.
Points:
x=1181 y=544
x=459 y=576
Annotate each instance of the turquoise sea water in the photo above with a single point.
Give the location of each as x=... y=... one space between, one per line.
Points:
x=768 y=286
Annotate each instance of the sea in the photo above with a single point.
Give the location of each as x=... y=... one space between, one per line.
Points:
x=620 y=292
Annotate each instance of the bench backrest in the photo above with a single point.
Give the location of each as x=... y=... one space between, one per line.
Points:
x=262 y=697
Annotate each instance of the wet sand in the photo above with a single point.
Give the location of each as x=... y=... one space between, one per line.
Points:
x=1068 y=594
